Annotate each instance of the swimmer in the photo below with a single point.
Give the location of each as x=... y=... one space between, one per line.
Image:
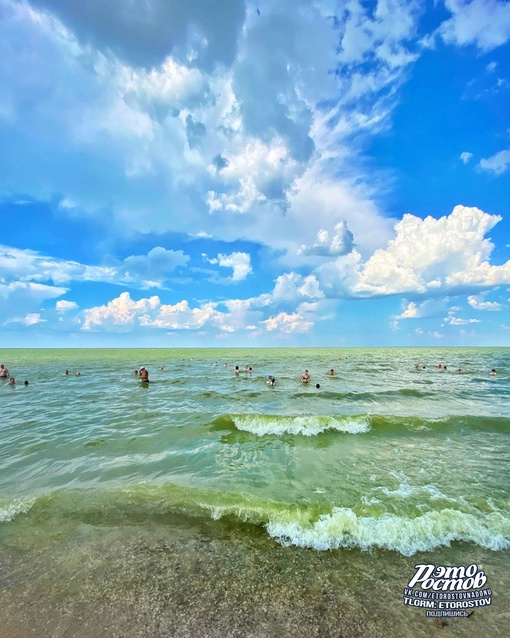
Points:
x=12 y=381
x=144 y=375
x=78 y=374
x=4 y=373
x=305 y=377
x=270 y=380
x=25 y=382
x=331 y=372
x=135 y=373
x=493 y=372
x=66 y=373
x=318 y=386
x=237 y=371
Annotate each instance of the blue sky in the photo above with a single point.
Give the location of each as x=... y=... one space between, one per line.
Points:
x=236 y=173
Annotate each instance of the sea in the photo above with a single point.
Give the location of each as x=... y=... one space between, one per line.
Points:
x=210 y=503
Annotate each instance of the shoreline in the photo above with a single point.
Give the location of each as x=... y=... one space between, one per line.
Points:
x=211 y=579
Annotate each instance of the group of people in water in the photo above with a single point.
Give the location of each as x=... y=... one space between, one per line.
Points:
x=444 y=368
x=271 y=380
x=305 y=377
x=4 y=374
x=143 y=374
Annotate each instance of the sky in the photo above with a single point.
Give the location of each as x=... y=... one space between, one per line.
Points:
x=202 y=173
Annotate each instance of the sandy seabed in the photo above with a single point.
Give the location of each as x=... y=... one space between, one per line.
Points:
x=214 y=579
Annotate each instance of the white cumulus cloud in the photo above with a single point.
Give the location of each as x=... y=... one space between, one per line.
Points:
x=410 y=312
x=497 y=164
x=291 y=286
x=457 y=321
x=143 y=271
x=338 y=242
x=484 y=23
x=21 y=296
x=122 y=311
x=238 y=261
x=478 y=303
x=63 y=306
x=300 y=296
x=287 y=323
x=427 y=257
x=31 y=319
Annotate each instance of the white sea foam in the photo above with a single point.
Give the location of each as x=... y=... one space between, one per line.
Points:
x=405 y=490
x=10 y=510
x=370 y=501
x=305 y=425
x=343 y=528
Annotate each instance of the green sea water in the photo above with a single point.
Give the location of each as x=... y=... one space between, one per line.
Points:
x=390 y=462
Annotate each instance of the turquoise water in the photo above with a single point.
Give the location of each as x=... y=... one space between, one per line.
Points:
x=383 y=457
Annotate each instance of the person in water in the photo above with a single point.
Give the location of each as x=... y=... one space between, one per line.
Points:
x=12 y=381
x=493 y=372
x=4 y=373
x=144 y=375
x=305 y=377
x=270 y=380
x=331 y=372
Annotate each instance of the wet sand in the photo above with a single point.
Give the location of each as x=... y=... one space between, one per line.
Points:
x=211 y=579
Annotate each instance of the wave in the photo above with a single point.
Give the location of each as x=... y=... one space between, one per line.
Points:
x=343 y=528
x=310 y=425
x=321 y=527
x=262 y=424
x=350 y=396
x=9 y=510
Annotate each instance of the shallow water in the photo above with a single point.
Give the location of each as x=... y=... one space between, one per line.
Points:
x=385 y=465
